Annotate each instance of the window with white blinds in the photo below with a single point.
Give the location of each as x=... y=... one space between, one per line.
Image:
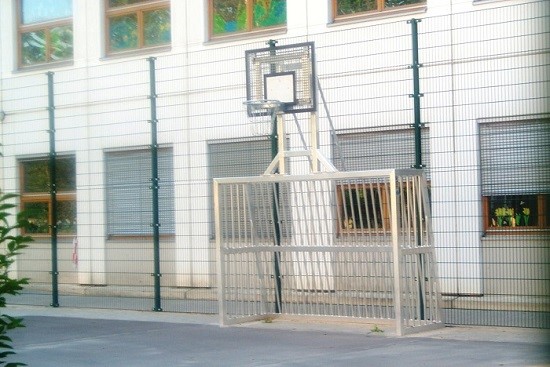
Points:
x=369 y=150
x=515 y=173
x=515 y=157
x=381 y=149
x=129 y=195
x=240 y=158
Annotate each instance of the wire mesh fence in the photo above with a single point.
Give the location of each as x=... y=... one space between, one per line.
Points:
x=489 y=195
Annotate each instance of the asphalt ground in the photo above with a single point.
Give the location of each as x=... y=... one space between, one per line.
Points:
x=114 y=338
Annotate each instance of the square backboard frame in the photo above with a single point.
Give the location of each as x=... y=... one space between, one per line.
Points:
x=283 y=73
x=280 y=87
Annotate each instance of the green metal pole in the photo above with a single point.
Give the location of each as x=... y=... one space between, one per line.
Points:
x=276 y=189
x=155 y=183
x=416 y=95
x=53 y=191
x=417 y=152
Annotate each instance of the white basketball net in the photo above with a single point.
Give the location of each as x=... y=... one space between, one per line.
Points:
x=261 y=116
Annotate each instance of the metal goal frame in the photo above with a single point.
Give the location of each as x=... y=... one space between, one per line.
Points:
x=322 y=259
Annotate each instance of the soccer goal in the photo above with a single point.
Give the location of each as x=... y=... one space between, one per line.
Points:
x=354 y=245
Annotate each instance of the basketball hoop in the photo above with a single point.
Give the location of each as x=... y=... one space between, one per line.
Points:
x=262 y=114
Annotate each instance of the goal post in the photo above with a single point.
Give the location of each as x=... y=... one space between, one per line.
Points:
x=354 y=245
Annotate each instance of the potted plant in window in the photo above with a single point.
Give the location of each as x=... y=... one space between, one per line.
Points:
x=526 y=212
x=504 y=216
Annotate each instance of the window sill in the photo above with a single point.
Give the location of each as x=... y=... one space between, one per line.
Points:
x=366 y=232
x=44 y=236
x=507 y=231
x=376 y=15
x=246 y=35
x=482 y=2
x=44 y=66
x=137 y=237
x=136 y=52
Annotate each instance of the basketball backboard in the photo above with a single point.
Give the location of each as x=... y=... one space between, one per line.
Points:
x=282 y=73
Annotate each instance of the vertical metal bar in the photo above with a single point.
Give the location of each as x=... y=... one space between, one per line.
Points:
x=276 y=225
x=53 y=191
x=397 y=257
x=416 y=94
x=155 y=183
x=417 y=134
x=221 y=257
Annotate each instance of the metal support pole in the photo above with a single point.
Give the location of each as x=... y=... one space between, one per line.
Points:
x=53 y=191
x=276 y=225
x=416 y=95
x=417 y=152
x=155 y=183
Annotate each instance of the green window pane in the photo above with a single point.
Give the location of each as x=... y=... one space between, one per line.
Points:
x=345 y=7
x=38 y=214
x=66 y=217
x=269 y=13
x=229 y=16
x=157 y=27
x=116 y=3
x=33 y=11
x=33 y=47
x=123 y=32
x=36 y=175
x=66 y=174
x=61 y=43
x=394 y=3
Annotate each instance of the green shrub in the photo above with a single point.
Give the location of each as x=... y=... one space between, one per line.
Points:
x=11 y=245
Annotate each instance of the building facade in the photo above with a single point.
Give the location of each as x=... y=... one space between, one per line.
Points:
x=485 y=112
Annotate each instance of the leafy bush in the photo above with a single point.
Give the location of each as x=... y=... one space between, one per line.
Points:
x=11 y=245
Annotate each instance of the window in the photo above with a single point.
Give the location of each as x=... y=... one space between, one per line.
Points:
x=129 y=197
x=45 y=31
x=240 y=158
x=515 y=174
x=136 y=24
x=345 y=8
x=365 y=207
x=237 y=16
x=36 y=199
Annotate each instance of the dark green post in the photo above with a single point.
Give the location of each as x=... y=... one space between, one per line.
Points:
x=155 y=183
x=417 y=150
x=276 y=224
x=416 y=95
x=53 y=191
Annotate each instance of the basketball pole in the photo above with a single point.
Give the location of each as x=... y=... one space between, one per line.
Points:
x=277 y=146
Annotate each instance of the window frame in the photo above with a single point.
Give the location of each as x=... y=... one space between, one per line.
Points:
x=47 y=27
x=236 y=166
x=343 y=217
x=45 y=197
x=139 y=9
x=250 y=29
x=393 y=133
x=486 y=127
x=383 y=194
x=168 y=150
x=381 y=10
x=543 y=222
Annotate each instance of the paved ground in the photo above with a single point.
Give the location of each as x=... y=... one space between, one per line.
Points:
x=85 y=337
